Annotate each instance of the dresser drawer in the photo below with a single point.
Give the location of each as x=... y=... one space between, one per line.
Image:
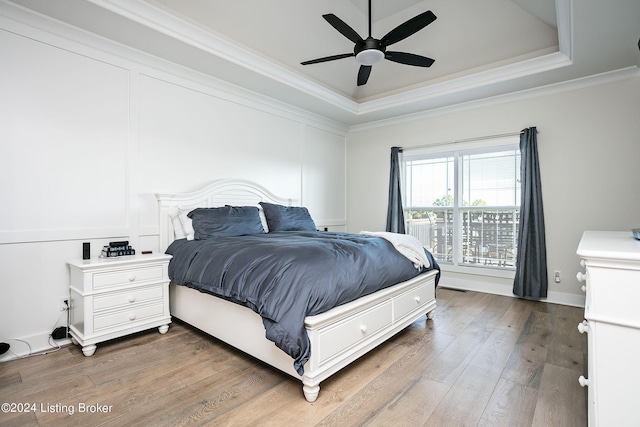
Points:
x=613 y=295
x=412 y=300
x=127 y=317
x=127 y=276
x=129 y=297
x=346 y=334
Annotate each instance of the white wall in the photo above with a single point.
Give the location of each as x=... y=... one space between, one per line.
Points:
x=589 y=149
x=91 y=130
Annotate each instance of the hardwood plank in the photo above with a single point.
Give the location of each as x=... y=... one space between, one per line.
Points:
x=413 y=333
x=23 y=419
x=42 y=392
x=412 y=406
x=561 y=401
x=467 y=398
x=566 y=346
x=484 y=360
x=462 y=313
x=530 y=353
x=206 y=406
x=283 y=405
x=498 y=305
x=511 y=405
x=370 y=400
x=515 y=319
x=8 y=379
x=122 y=395
x=448 y=365
x=526 y=364
x=570 y=312
x=168 y=405
x=36 y=366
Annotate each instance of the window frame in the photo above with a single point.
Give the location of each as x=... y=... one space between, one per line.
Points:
x=455 y=150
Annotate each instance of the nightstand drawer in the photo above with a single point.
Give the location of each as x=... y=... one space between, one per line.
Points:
x=124 y=317
x=128 y=297
x=127 y=276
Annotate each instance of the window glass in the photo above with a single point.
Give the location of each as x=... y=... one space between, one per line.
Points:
x=464 y=206
x=430 y=200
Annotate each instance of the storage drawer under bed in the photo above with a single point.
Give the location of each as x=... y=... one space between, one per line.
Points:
x=412 y=300
x=343 y=335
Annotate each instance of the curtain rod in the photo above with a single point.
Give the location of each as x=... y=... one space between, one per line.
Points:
x=477 y=138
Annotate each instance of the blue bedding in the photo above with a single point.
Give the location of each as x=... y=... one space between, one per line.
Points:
x=286 y=276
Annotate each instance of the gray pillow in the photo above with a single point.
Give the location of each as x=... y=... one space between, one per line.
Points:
x=225 y=221
x=287 y=218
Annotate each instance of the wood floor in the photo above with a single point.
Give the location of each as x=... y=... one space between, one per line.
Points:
x=485 y=360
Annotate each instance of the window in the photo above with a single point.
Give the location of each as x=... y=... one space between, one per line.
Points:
x=464 y=205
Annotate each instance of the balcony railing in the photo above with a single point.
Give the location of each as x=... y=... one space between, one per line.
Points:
x=489 y=235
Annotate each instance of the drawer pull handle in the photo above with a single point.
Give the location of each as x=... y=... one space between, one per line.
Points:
x=417 y=298
x=132 y=316
x=132 y=277
x=583 y=381
x=132 y=298
x=363 y=329
x=583 y=327
x=581 y=276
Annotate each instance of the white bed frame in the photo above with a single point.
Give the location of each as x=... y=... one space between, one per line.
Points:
x=338 y=336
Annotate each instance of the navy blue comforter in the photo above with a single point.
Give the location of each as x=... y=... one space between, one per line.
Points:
x=286 y=276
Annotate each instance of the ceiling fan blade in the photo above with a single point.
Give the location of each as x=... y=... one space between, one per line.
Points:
x=408 y=28
x=343 y=28
x=409 y=59
x=363 y=74
x=328 y=58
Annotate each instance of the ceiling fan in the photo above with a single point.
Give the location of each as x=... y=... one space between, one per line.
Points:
x=369 y=51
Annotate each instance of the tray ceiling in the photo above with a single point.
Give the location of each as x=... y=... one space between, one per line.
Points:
x=481 y=49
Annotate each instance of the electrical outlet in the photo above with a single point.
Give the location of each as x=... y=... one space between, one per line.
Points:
x=64 y=303
x=556 y=276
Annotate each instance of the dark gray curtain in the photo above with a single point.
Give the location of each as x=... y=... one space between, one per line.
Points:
x=531 y=260
x=395 y=214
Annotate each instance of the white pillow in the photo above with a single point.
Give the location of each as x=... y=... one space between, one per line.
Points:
x=178 y=229
x=187 y=224
x=263 y=219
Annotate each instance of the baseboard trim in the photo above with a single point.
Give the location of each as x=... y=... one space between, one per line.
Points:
x=31 y=346
x=553 y=297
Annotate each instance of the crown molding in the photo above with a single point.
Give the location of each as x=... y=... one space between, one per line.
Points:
x=548 y=62
x=22 y=21
x=151 y=16
x=550 y=89
x=462 y=84
x=207 y=40
x=283 y=85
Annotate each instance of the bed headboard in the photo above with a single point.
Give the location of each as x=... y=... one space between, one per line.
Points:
x=237 y=192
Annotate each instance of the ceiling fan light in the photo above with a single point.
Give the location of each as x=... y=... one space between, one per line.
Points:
x=369 y=56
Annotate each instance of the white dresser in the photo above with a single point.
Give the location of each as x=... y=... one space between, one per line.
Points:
x=113 y=297
x=612 y=321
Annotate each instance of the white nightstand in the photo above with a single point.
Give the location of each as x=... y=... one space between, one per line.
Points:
x=112 y=297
